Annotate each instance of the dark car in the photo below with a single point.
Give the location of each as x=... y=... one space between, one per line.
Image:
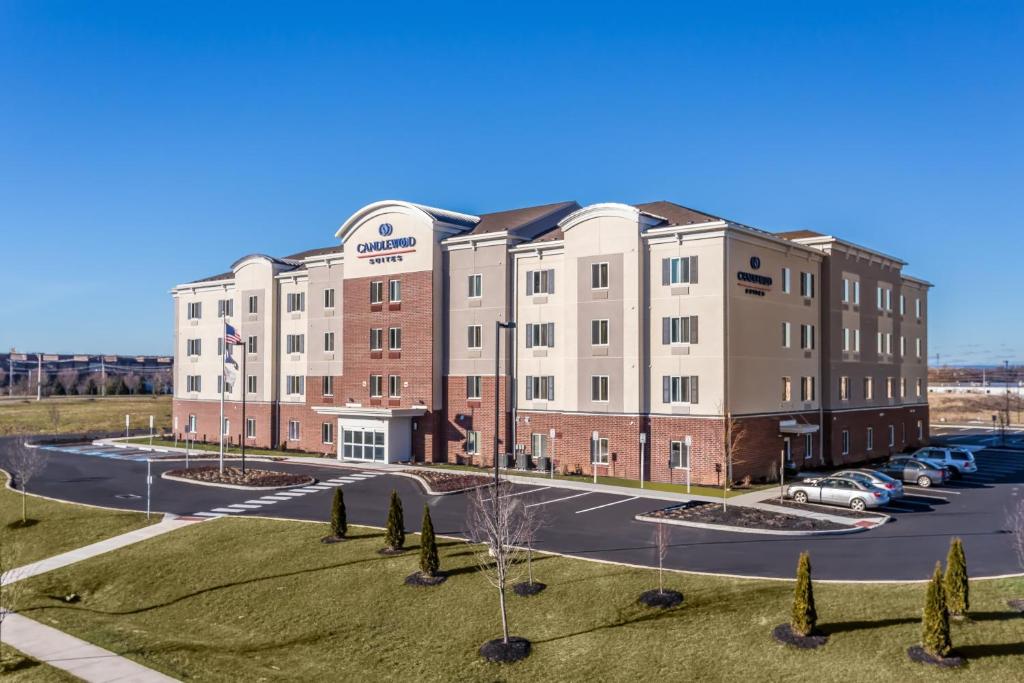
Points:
x=907 y=469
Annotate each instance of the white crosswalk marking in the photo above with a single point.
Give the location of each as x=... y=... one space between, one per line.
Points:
x=225 y=510
x=243 y=506
x=207 y=514
x=261 y=502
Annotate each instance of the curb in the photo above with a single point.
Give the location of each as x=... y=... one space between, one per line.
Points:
x=432 y=492
x=744 y=530
x=184 y=480
x=878 y=519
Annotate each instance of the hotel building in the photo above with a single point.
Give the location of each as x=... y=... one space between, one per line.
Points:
x=647 y=338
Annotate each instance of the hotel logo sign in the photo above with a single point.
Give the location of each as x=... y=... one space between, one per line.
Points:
x=753 y=283
x=386 y=250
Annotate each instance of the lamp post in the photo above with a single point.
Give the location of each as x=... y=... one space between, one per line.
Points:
x=498 y=327
x=594 y=448
x=1006 y=392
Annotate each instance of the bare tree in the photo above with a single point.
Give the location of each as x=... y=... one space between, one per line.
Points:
x=132 y=382
x=532 y=523
x=732 y=445
x=54 y=416
x=497 y=529
x=24 y=462
x=68 y=379
x=161 y=382
x=662 y=541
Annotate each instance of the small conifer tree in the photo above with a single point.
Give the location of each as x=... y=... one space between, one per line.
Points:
x=935 y=622
x=429 y=562
x=805 y=618
x=955 y=581
x=395 y=535
x=339 y=522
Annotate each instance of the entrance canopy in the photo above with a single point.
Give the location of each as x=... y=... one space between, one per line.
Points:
x=371 y=434
x=793 y=427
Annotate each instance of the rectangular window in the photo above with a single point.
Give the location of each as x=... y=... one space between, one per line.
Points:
x=846 y=339
x=251 y=344
x=225 y=427
x=296 y=343
x=679 y=330
x=250 y=427
x=890 y=387
x=394 y=291
x=295 y=385
x=327 y=384
x=679 y=389
x=254 y=305
x=329 y=299
x=328 y=342
x=376 y=338
x=194 y=346
x=807 y=388
x=327 y=432
x=920 y=430
x=879 y=298
x=296 y=302
x=395 y=338
x=599 y=450
x=807 y=336
x=542 y=335
x=785 y=280
x=474 y=337
x=807 y=285
x=540 y=388
x=473 y=442
x=538 y=445
x=917 y=346
x=476 y=286
x=856 y=291
x=220 y=384
x=903 y=387
x=195 y=311
x=903 y=305
x=599 y=276
x=679 y=454
x=846 y=442
x=193 y=383
x=377 y=292
x=191 y=424
x=599 y=332
x=293 y=430
x=682 y=270
x=846 y=290
x=786 y=335
x=870 y=438
x=856 y=340
x=917 y=387
x=225 y=308
x=787 y=389
x=917 y=308
x=892 y=435
x=250 y=384
x=540 y=282
x=869 y=388
x=473 y=387
x=394 y=386
x=881 y=343
x=599 y=388
x=220 y=346
x=376 y=386
x=844 y=388
x=888 y=299
x=903 y=345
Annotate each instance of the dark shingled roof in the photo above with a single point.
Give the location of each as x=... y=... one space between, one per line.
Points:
x=334 y=249
x=798 y=234
x=222 y=276
x=527 y=222
x=676 y=214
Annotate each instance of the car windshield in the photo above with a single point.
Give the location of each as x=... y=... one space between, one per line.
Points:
x=880 y=477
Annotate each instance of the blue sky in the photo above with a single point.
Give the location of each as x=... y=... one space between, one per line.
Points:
x=148 y=144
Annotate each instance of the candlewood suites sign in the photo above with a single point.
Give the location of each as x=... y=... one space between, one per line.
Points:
x=754 y=283
x=388 y=250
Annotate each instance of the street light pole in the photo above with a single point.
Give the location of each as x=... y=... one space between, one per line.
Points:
x=1006 y=391
x=498 y=327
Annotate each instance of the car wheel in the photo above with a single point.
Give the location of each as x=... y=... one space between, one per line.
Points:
x=924 y=482
x=857 y=504
x=800 y=497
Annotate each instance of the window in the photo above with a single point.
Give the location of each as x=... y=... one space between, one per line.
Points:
x=807 y=336
x=599 y=388
x=195 y=311
x=540 y=282
x=250 y=427
x=869 y=388
x=680 y=270
x=807 y=285
x=599 y=332
x=871 y=438
x=538 y=445
x=679 y=330
x=296 y=343
x=225 y=427
x=679 y=389
x=903 y=304
x=254 y=304
x=296 y=302
x=473 y=442
x=394 y=291
x=542 y=334
x=193 y=383
x=903 y=345
x=540 y=388
x=328 y=341
x=191 y=424
x=786 y=334
x=327 y=384
x=194 y=347
x=903 y=387
x=679 y=454
x=890 y=387
x=476 y=286
x=225 y=308
x=844 y=388
x=856 y=291
x=295 y=384
x=892 y=435
x=395 y=338
x=888 y=299
x=787 y=389
x=599 y=450
x=917 y=308
x=903 y=432
x=329 y=299
x=220 y=384
x=917 y=346
x=293 y=430
x=917 y=387
x=846 y=442
x=807 y=388
x=376 y=338
x=220 y=346
x=251 y=344
x=473 y=387
x=785 y=280
x=846 y=339
x=474 y=337
x=377 y=292
x=327 y=432
x=879 y=298
x=920 y=430
x=881 y=343
x=376 y=386
x=599 y=276
x=394 y=386
x=250 y=384
x=846 y=290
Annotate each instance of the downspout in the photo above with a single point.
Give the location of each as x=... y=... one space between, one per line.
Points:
x=823 y=311
x=726 y=459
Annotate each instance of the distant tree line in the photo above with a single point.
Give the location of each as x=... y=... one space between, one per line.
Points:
x=73 y=382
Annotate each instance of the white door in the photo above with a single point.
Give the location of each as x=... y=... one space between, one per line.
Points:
x=362 y=443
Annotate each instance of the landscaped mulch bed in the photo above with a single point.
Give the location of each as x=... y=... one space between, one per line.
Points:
x=744 y=517
x=918 y=654
x=525 y=589
x=784 y=633
x=826 y=509
x=663 y=599
x=421 y=579
x=234 y=477
x=499 y=652
x=446 y=482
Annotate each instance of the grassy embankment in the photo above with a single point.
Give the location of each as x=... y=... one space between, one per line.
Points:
x=87 y=414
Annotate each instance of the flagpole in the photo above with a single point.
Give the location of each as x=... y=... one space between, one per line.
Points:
x=223 y=355
x=245 y=389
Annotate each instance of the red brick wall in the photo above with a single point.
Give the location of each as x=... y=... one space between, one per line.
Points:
x=475 y=416
x=208 y=415
x=857 y=422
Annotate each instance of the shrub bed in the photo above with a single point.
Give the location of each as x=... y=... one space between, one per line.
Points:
x=447 y=482
x=745 y=517
x=233 y=476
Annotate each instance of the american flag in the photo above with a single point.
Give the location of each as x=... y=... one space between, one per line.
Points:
x=231 y=335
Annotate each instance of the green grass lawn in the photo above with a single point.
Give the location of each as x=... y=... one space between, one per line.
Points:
x=233 y=450
x=259 y=600
x=58 y=527
x=73 y=415
x=16 y=667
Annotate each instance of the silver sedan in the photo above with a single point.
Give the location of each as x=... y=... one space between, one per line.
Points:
x=838 y=491
x=876 y=479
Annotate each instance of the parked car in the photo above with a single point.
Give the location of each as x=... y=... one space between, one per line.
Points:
x=876 y=479
x=908 y=469
x=838 y=491
x=958 y=461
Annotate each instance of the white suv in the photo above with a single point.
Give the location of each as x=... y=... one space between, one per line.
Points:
x=958 y=461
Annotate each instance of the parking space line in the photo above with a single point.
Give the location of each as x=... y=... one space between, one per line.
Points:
x=614 y=502
x=925 y=495
x=921 y=488
x=558 y=500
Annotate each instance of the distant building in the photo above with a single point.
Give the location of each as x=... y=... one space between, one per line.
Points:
x=20 y=369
